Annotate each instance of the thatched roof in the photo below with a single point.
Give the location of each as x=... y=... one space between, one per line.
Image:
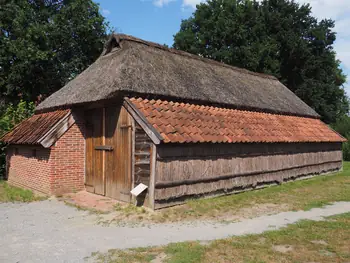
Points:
x=132 y=66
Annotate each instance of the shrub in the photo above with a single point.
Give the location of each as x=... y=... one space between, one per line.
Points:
x=8 y=119
x=342 y=126
x=346 y=150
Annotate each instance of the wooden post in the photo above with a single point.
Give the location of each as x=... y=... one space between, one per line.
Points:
x=104 y=152
x=132 y=155
x=152 y=175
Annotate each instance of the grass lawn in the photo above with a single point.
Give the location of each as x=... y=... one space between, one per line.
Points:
x=306 y=241
x=298 y=195
x=15 y=194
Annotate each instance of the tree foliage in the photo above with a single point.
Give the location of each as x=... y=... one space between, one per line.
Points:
x=278 y=37
x=45 y=43
x=342 y=126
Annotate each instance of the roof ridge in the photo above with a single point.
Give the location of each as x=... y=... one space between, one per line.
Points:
x=120 y=37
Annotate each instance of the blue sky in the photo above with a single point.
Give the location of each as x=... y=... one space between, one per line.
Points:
x=159 y=20
x=156 y=21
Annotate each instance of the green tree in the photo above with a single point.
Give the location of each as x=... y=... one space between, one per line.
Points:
x=46 y=43
x=342 y=125
x=278 y=37
x=43 y=45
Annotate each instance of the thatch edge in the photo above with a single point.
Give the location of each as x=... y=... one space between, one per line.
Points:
x=129 y=93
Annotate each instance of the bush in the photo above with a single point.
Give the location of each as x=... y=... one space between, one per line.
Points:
x=346 y=150
x=342 y=126
x=9 y=118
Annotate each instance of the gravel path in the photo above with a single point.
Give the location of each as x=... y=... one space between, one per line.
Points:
x=50 y=231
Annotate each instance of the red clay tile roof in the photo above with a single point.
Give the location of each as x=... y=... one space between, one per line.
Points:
x=185 y=123
x=31 y=130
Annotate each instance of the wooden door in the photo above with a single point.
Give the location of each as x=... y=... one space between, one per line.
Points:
x=118 y=161
x=108 y=152
x=94 y=178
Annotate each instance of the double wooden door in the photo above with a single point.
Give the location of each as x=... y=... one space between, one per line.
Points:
x=108 y=152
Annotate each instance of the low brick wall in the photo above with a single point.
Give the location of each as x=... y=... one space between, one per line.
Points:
x=58 y=170
x=29 y=167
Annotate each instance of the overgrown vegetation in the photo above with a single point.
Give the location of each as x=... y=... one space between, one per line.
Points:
x=278 y=37
x=298 y=195
x=12 y=116
x=306 y=241
x=342 y=125
x=15 y=194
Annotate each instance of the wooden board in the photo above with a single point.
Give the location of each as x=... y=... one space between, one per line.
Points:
x=94 y=179
x=118 y=162
x=192 y=170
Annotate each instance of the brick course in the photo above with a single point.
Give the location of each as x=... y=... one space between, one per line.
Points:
x=28 y=171
x=58 y=170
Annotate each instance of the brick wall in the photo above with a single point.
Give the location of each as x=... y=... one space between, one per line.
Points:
x=60 y=169
x=67 y=160
x=28 y=167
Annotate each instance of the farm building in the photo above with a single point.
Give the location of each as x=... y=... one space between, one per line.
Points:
x=182 y=125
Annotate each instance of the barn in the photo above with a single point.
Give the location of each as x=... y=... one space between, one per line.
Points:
x=182 y=125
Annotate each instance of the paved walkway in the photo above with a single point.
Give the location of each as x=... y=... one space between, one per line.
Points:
x=50 y=231
x=90 y=201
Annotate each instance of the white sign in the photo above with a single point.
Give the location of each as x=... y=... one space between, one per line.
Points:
x=138 y=189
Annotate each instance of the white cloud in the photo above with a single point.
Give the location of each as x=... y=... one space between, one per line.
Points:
x=106 y=12
x=343 y=52
x=328 y=8
x=161 y=3
x=191 y=3
x=342 y=27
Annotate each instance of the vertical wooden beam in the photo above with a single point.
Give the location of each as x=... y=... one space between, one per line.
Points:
x=152 y=180
x=104 y=152
x=132 y=154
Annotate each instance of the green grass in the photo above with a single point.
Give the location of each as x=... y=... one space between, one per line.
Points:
x=303 y=194
x=308 y=241
x=15 y=194
x=190 y=252
x=123 y=257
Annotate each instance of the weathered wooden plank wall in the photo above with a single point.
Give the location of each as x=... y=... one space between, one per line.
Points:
x=200 y=169
x=142 y=156
x=142 y=159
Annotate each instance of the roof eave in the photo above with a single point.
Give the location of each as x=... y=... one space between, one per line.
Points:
x=57 y=131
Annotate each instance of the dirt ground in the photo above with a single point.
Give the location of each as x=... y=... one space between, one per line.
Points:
x=51 y=231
